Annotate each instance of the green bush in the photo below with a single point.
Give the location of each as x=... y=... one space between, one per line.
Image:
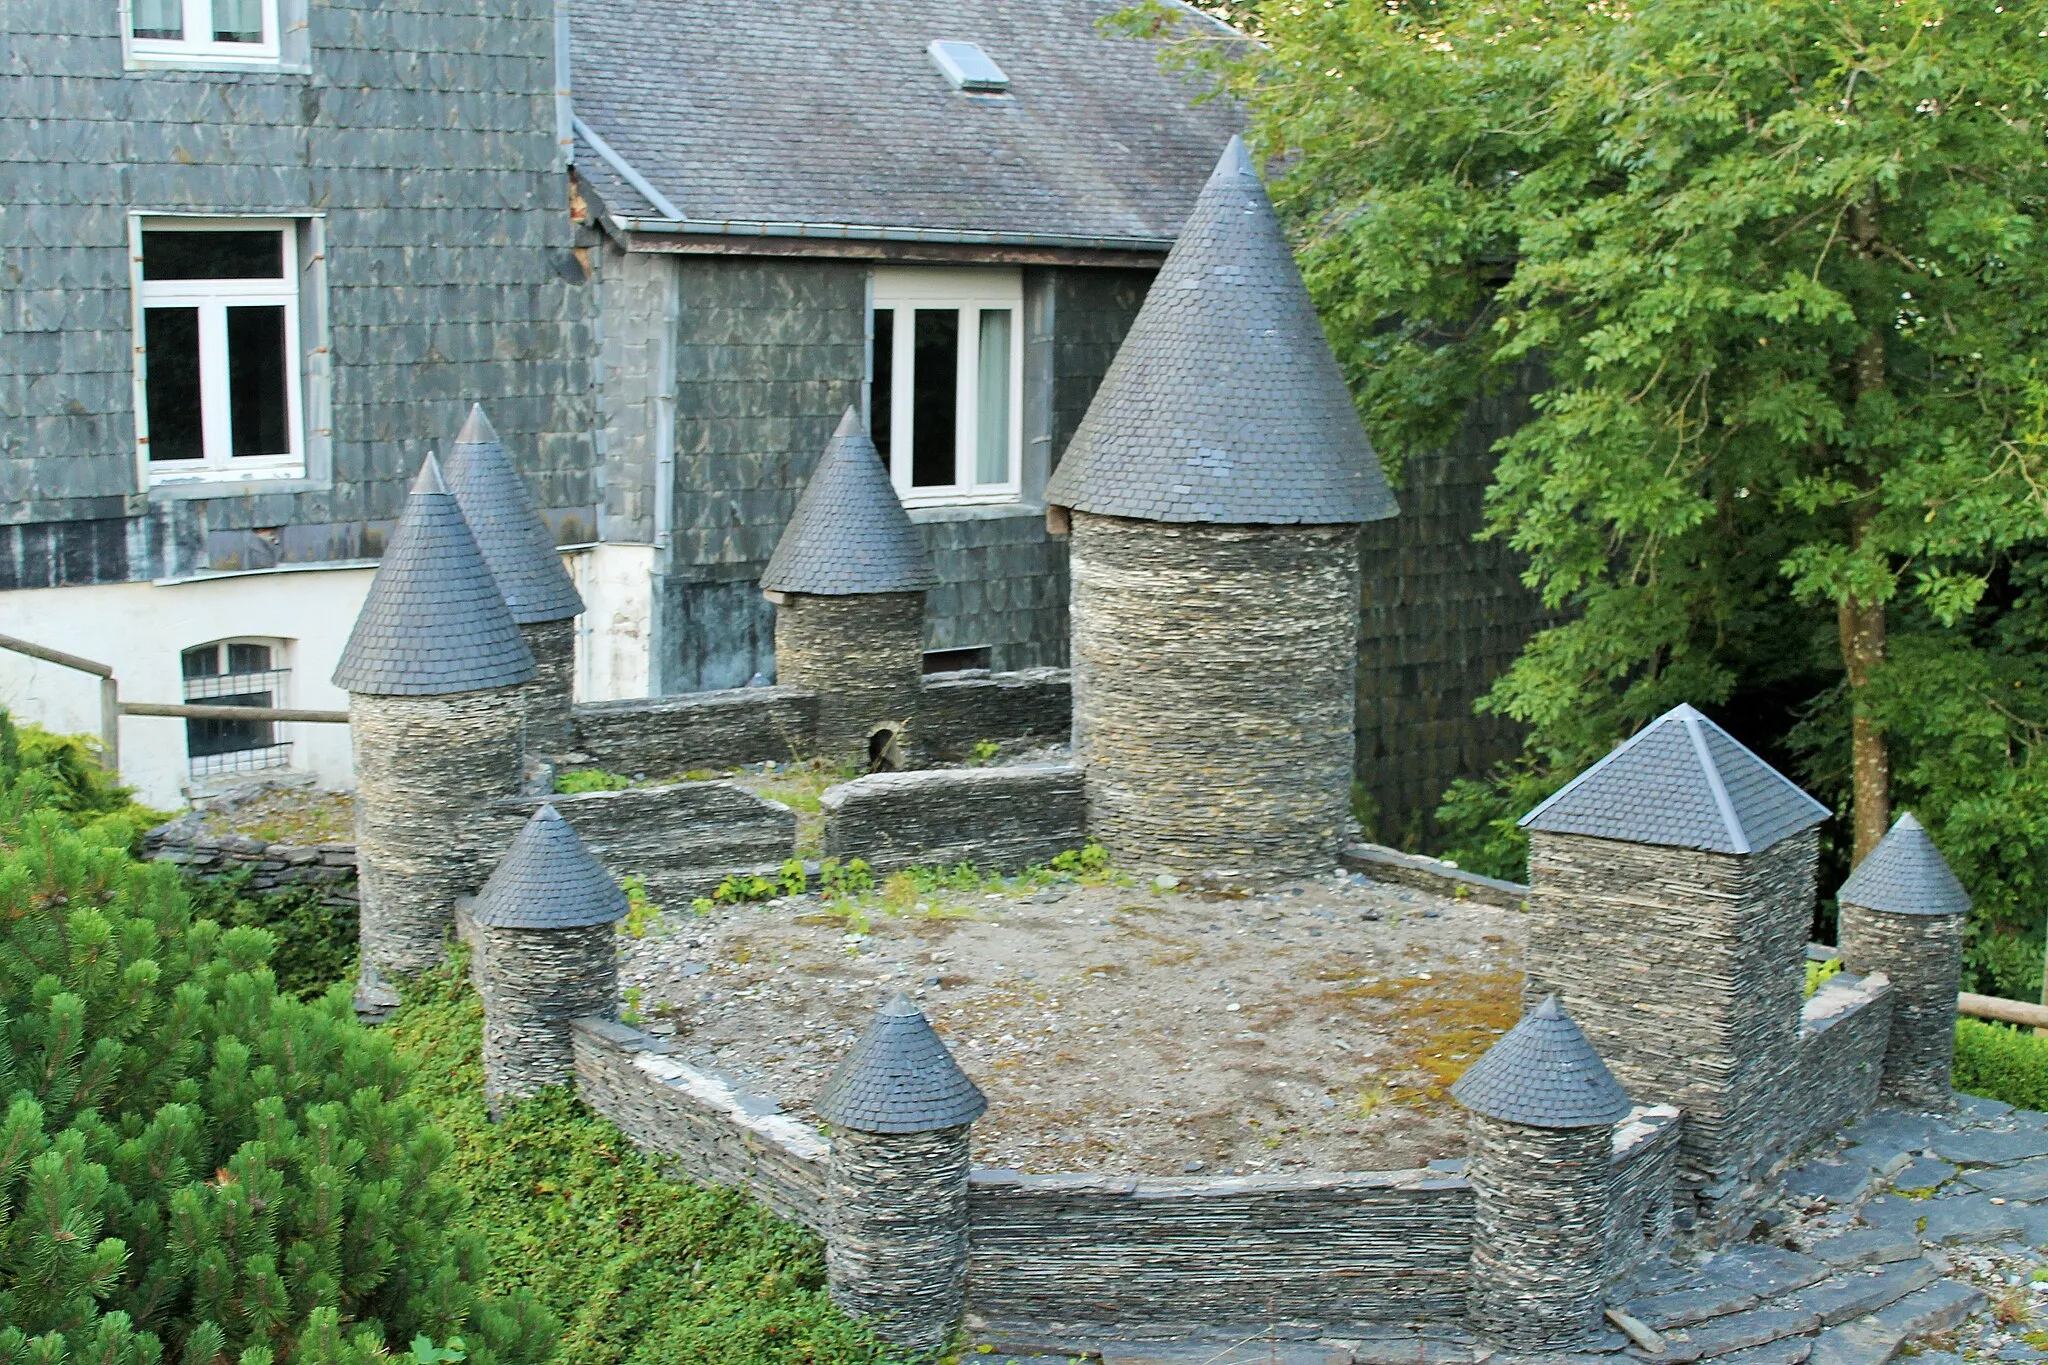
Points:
x=316 y=942
x=641 y=1270
x=590 y=780
x=2001 y=1062
x=193 y=1166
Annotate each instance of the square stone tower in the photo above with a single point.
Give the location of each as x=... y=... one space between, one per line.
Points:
x=1671 y=898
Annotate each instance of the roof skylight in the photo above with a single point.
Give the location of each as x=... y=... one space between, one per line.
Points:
x=968 y=68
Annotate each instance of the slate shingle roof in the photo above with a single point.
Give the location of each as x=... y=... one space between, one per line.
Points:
x=548 y=880
x=899 y=1078
x=1682 y=782
x=1224 y=403
x=434 y=621
x=516 y=543
x=832 y=112
x=1543 y=1074
x=849 y=533
x=1906 y=875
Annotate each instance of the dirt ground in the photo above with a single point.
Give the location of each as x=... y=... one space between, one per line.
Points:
x=1116 y=1027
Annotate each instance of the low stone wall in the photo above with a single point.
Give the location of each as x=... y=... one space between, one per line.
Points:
x=1642 y=1187
x=1390 y=1246
x=958 y=709
x=1005 y=818
x=668 y=736
x=682 y=838
x=714 y=1133
x=271 y=867
x=1433 y=875
x=1843 y=1030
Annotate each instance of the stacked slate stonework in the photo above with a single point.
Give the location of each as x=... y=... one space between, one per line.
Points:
x=434 y=670
x=896 y=1187
x=545 y=955
x=1214 y=493
x=1541 y=1112
x=520 y=552
x=1902 y=913
x=848 y=580
x=1671 y=895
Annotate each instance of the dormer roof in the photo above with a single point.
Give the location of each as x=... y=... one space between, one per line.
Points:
x=1681 y=782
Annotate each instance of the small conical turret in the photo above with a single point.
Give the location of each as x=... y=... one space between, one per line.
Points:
x=434 y=621
x=899 y=1078
x=516 y=543
x=548 y=880
x=849 y=534
x=1906 y=875
x=1224 y=403
x=1543 y=1074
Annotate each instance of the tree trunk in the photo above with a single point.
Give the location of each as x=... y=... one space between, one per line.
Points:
x=1870 y=761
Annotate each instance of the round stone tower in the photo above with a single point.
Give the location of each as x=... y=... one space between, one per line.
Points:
x=434 y=670
x=896 y=1188
x=1902 y=913
x=545 y=955
x=520 y=552
x=848 y=580
x=1214 y=493
x=1541 y=1108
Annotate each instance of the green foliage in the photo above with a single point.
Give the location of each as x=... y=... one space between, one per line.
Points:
x=1090 y=860
x=590 y=780
x=1817 y=972
x=193 y=1165
x=984 y=753
x=2002 y=1063
x=839 y=881
x=744 y=888
x=641 y=1269
x=2002 y=962
x=315 y=942
x=1777 y=267
x=642 y=914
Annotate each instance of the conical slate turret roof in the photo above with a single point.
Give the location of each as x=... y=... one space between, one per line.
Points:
x=1905 y=875
x=516 y=543
x=849 y=534
x=899 y=1078
x=1682 y=782
x=434 y=621
x=1224 y=403
x=1543 y=1074
x=548 y=880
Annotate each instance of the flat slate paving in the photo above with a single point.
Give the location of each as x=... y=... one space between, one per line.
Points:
x=1985 y=1147
x=2026 y=1181
x=1867 y=1246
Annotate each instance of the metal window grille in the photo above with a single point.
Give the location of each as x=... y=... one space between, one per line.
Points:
x=243 y=760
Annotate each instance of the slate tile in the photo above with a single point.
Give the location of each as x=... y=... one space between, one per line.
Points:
x=1936 y=1308
x=1971 y=1218
x=2028 y=1180
x=1866 y=1246
x=1981 y=1107
x=1863 y=1342
x=1783 y=1351
x=1895 y=1212
x=1862 y=1292
x=1245 y=1353
x=1683 y=1307
x=1894 y=1129
x=1985 y=1147
x=1922 y=1173
x=1836 y=1182
x=1737 y=1332
x=1765 y=1271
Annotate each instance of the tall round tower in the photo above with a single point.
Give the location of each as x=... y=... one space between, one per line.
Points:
x=1541 y=1109
x=520 y=552
x=1902 y=913
x=433 y=670
x=1214 y=493
x=848 y=580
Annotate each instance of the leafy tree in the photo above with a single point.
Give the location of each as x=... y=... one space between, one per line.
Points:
x=1779 y=263
x=193 y=1167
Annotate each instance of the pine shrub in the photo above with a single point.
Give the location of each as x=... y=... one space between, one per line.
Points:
x=193 y=1166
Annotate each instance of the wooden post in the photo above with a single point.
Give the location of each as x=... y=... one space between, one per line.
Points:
x=110 y=725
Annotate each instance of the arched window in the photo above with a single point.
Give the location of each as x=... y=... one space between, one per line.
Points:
x=235 y=673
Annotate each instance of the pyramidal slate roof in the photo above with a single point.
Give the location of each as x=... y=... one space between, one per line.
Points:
x=516 y=543
x=1683 y=782
x=899 y=1078
x=1224 y=403
x=1905 y=875
x=1543 y=1074
x=434 y=621
x=548 y=880
x=849 y=534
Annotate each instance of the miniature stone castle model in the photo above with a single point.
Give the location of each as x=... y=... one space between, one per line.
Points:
x=520 y=552
x=1214 y=493
x=848 y=580
x=435 y=670
x=1902 y=913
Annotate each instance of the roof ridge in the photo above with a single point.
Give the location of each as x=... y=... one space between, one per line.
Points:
x=849 y=534
x=1691 y=720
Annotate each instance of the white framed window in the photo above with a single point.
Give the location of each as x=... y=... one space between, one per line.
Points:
x=235 y=673
x=216 y=32
x=220 y=374
x=946 y=402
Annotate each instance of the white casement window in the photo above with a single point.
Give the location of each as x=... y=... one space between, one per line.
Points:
x=235 y=673
x=219 y=372
x=946 y=402
x=214 y=31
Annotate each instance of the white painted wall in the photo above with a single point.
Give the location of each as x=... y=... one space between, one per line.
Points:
x=612 y=635
x=140 y=629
